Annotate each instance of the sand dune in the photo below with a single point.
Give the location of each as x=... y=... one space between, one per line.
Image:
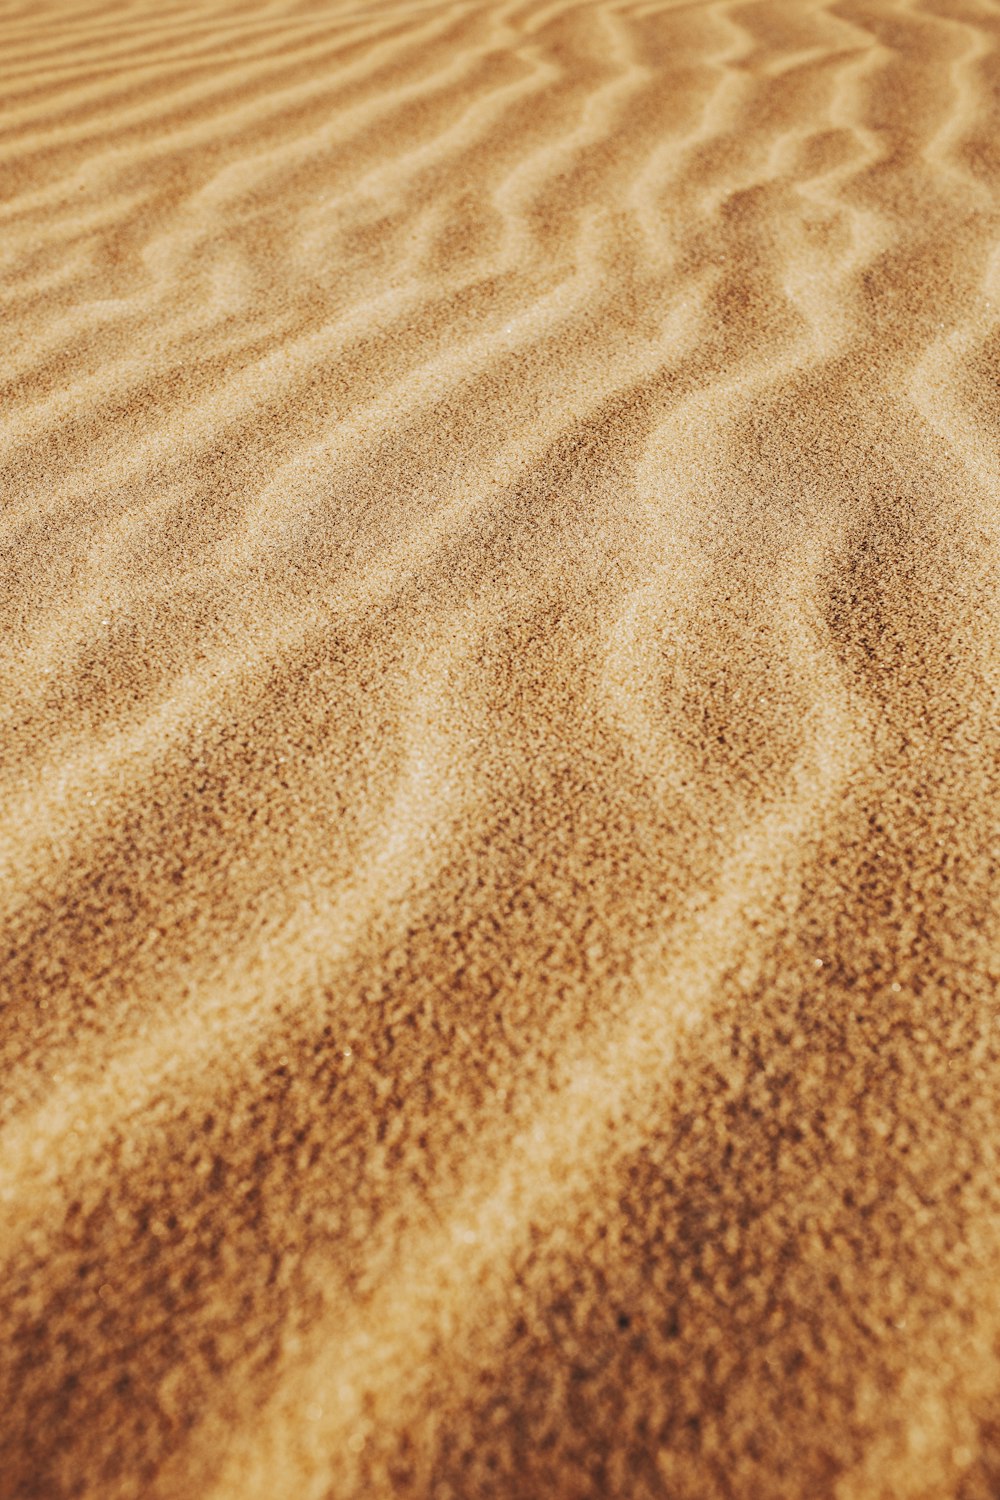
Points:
x=498 y=750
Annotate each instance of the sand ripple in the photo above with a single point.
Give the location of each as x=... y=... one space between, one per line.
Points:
x=498 y=748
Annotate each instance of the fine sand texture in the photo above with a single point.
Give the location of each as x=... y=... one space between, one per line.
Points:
x=499 y=750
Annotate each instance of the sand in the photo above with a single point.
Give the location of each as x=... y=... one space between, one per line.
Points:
x=499 y=750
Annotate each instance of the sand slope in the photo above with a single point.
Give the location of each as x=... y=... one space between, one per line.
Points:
x=498 y=750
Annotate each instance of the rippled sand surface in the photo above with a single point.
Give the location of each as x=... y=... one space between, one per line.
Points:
x=499 y=749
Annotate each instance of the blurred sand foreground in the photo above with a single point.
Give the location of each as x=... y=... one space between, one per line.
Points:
x=499 y=750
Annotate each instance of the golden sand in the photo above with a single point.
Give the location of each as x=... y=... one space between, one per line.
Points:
x=499 y=750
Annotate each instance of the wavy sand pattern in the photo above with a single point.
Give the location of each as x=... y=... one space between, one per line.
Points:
x=499 y=749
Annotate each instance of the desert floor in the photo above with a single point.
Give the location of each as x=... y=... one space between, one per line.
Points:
x=499 y=750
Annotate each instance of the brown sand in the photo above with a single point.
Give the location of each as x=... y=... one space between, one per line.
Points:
x=499 y=750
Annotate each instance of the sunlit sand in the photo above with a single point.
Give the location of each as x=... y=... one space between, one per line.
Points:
x=499 y=750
